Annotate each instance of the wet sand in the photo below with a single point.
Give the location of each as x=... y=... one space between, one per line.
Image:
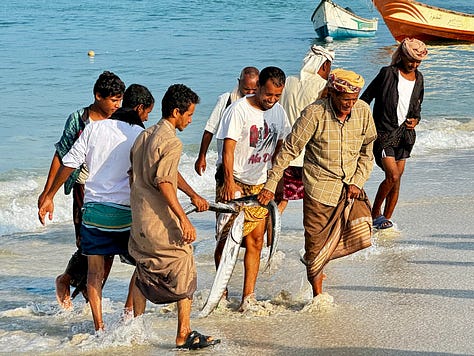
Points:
x=411 y=293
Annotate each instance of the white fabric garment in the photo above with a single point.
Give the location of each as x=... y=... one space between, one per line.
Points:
x=297 y=95
x=105 y=147
x=215 y=118
x=256 y=133
x=405 y=89
x=302 y=90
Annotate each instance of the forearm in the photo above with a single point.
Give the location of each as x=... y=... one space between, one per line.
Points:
x=166 y=188
x=60 y=178
x=53 y=171
x=205 y=143
x=287 y=151
x=185 y=187
x=228 y=160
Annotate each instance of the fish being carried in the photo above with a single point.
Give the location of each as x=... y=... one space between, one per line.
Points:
x=231 y=249
x=251 y=201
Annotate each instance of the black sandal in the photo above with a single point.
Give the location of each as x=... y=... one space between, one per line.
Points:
x=196 y=340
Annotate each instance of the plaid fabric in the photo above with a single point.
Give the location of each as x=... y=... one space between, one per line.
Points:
x=337 y=153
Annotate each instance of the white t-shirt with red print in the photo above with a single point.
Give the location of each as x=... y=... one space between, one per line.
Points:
x=256 y=133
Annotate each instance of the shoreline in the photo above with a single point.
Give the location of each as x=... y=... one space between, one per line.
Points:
x=410 y=293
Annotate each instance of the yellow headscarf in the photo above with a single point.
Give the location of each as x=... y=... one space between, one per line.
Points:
x=346 y=81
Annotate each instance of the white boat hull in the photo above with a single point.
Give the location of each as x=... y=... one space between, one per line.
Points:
x=329 y=19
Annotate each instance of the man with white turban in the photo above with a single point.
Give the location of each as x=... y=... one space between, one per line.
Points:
x=299 y=92
x=337 y=133
x=398 y=91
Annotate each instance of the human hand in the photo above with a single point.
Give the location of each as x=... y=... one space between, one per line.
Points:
x=411 y=123
x=265 y=196
x=352 y=191
x=189 y=232
x=200 y=165
x=230 y=191
x=200 y=203
x=41 y=198
x=46 y=207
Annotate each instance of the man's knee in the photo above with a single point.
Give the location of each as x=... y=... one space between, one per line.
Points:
x=393 y=176
x=254 y=241
x=95 y=278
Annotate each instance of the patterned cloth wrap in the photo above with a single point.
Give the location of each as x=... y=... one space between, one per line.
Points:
x=253 y=215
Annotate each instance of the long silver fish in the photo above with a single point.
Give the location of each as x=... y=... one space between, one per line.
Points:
x=231 y=249
x=226 y=265
x=217 y=207
x=251 y=201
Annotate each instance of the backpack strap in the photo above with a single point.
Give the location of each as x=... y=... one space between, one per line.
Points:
x=228 y=102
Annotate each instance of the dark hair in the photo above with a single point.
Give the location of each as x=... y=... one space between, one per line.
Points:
x=127 y=115
x=137 y=94
x=275 y=74
x=178 y=96
x=108 y=84
x=250 y=71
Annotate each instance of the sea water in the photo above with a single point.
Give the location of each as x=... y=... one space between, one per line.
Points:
x=45 y=74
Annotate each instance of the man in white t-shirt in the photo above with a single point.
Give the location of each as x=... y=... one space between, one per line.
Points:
x=105 y=229
x=251 y=131
x=247 y=84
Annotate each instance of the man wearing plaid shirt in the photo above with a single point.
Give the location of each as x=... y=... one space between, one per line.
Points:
x=337 y=133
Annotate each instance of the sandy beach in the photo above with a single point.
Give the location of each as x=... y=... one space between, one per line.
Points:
x=410 y=293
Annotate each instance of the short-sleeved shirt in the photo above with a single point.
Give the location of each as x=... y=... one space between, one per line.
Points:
x=223 y=102
x=256 y=133
x=105 y=147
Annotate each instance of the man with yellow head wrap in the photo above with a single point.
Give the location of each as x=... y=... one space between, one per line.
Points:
x=398 y=91
x=337 y=133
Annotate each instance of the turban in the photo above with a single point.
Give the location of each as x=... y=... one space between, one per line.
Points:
x=314 y=59
x=412 y=48
x=346 y=81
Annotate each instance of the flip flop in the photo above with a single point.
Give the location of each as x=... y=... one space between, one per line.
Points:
x=196 y=340
x=381 y=223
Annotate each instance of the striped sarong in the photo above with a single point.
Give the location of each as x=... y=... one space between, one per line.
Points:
x=107 y=216
x=334 y=232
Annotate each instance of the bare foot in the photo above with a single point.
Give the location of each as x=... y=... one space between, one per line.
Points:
x=247 y=301
x=63 y=294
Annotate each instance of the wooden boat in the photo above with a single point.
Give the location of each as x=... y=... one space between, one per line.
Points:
x=332 y=20
x=408 y=18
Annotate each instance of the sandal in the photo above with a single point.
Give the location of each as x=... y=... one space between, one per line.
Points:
x=196 y=340
x=382 y=223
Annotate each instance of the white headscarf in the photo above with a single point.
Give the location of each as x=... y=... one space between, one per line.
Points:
x=314 y=59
